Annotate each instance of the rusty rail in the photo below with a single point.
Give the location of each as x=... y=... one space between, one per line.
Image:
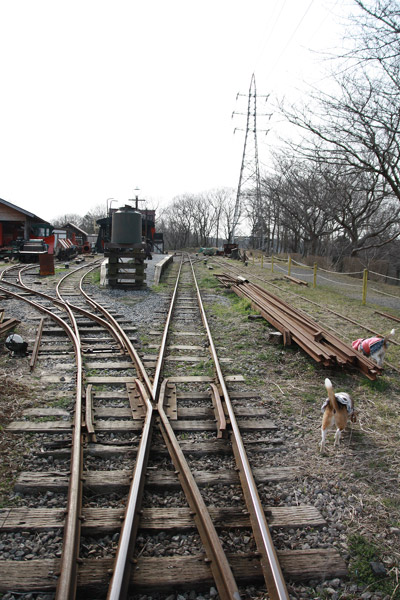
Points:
x=119 y=584
x=35 y=351
x=66 y=585
x=219 y=564
x=295 y=325
x=271 y=568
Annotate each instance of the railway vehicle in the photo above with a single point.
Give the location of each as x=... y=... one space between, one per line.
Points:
x=154 y=241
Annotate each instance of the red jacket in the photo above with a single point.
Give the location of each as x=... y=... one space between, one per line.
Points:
x=367 y=346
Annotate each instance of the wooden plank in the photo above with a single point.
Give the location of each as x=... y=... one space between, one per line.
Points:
x=98 y=380
x=46 y=412
x=6 y=326
x=94 y=329
x=194 y=359
x=108 y=520
x=53 y=427
x=202 y=448
x=40 y=427
x=107 y=481
x=203 y=379
x=188 y=333
x=172 y=572
x=194 y=412
x=203 y=395
x=109 y=365
x=190 y=348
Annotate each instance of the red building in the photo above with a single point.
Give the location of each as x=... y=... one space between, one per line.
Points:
x=18 y=224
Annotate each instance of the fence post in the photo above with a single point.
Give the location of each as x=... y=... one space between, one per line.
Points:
x=315 y=276
x=364 y=292
x=289 y=269
x=262 y=260
x=272 y=263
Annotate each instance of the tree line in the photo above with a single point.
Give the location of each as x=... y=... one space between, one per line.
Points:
x=334 y=186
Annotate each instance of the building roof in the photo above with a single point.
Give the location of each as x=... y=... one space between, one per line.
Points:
x=72 y=226
x=23 y=211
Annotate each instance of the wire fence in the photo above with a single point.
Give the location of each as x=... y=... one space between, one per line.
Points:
x=314 y=273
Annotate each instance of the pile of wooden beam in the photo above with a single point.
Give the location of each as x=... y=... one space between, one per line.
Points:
x=295 y=326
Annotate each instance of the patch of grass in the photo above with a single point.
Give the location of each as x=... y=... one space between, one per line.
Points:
x=160 y=288
x=93 y=372
x=61 y=403
x=378 y=385
x=310 y=397
x=93 y=277
x=363 y=553
x=392 y=503
x=203 y=368
x=287 y=408
x=357 y=475
x=209 y=282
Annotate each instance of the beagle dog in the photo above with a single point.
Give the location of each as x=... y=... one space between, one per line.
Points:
x=337 y=410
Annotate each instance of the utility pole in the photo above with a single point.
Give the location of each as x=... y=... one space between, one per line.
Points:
x=249 y=179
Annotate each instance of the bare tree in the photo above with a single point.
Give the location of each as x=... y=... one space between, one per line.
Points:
x=178 y=220
x=228 y=215
x=88 y=222
x=218 y=199
x=67 y=218
x=359 y=126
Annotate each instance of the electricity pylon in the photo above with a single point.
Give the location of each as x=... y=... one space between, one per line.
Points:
x=249 y=179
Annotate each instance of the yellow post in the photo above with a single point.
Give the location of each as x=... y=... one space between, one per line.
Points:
x=262 y=260
x=315 y=276
x=364 y=292
x=272 y=263
x=289 y=268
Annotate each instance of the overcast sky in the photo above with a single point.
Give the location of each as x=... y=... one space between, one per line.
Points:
x=101 y=97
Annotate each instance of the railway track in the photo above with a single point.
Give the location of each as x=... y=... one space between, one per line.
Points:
x=161 y=443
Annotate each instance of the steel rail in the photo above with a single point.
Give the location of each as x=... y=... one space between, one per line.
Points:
x=219 y=565
x=161 y=353
x=220 y=568
x=126 y=341
x=321 y=345
x=62 y=304
x=119 y=584
x=269 y=561
x=373 y=331
x=120 y=581
x=67 y=581
x=36 y=346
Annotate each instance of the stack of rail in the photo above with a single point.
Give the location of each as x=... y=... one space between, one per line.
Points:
x=296 y=326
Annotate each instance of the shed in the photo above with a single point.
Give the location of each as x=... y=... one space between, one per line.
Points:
x=18 y=223
x=75 y=234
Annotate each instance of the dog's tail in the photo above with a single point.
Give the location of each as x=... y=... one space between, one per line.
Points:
x=331 y=394
x=387 y=337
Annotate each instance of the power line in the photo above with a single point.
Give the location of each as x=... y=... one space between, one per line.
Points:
x=291 y=37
